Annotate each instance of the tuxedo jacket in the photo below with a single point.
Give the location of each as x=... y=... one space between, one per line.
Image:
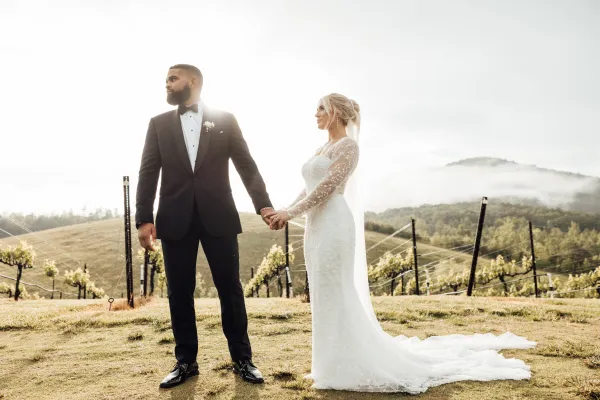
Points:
x=206 y=186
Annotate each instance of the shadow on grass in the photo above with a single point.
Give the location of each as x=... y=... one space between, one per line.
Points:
x=185 y=391
x=246 y=391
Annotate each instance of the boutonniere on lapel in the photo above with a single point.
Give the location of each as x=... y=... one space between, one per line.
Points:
x=208 y=125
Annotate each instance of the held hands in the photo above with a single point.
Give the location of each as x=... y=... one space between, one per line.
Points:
x=278 y=219
x=147 y=236
x=275 y=219
x=263 y=214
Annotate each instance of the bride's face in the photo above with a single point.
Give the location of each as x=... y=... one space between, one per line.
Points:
x=322 y=116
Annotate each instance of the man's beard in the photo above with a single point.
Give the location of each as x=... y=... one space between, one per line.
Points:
x=180 y=97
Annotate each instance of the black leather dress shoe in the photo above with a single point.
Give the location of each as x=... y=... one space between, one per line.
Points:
x=180 y=373
x=248 y=371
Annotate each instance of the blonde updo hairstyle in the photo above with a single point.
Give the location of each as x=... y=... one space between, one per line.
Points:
x=342 y=108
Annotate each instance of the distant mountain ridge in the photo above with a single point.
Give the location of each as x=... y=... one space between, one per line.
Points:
x=494 y=162
x=532 y=185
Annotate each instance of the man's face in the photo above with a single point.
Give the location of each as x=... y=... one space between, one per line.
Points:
x=179 y=87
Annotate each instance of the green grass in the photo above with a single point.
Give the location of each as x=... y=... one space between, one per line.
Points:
x=100 y=245
x=78 y=349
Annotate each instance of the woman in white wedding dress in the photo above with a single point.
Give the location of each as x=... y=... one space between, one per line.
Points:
x=350 y=350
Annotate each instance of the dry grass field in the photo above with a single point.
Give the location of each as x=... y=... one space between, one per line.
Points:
x=70 y=349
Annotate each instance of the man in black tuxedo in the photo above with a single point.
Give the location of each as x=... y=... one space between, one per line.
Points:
x=193 y=145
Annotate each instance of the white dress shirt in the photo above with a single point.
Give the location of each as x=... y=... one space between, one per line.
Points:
x=191 y=123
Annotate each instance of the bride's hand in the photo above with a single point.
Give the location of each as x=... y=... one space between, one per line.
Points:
x=278 y=219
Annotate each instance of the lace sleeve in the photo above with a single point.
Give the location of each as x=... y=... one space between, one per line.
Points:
x=344 y=159
x=300 y=197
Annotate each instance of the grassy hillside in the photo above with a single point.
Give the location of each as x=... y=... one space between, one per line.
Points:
x=101 y=246
x=13 y=223
x=79 y=350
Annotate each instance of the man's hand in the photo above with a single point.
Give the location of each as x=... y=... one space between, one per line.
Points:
x=264 y=212
x=278 y=219
x=147 y=236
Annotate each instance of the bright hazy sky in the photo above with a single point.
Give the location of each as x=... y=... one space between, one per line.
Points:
x=437 y=81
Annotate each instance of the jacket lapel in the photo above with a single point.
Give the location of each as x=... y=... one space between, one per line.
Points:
x=177 y=131
x=204 y=139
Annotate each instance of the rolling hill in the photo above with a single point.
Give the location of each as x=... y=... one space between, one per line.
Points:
x=100 y=245
x=518 y=193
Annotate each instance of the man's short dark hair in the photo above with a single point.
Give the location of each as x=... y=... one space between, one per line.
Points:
x=191 y=68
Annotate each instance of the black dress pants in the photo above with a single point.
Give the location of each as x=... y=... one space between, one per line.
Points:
x=222 y=254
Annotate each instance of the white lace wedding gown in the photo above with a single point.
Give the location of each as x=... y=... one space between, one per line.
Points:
x=350 y=350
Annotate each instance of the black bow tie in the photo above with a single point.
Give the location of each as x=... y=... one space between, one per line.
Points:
x=183 y=109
